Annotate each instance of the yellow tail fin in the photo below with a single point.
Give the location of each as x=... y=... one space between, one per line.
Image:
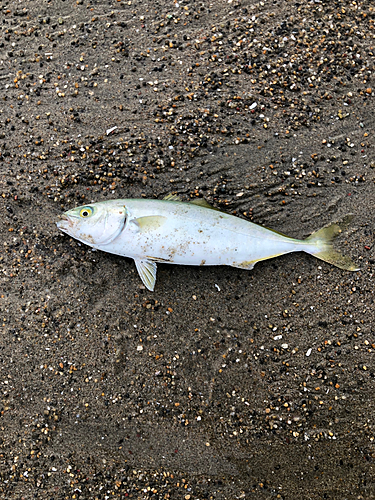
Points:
x=323 y=248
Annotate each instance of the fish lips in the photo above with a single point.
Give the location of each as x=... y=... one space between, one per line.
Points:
x=65 y=224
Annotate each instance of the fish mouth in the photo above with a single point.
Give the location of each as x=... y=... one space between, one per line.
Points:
x=65 y=224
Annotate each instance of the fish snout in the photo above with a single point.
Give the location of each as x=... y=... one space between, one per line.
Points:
x=65 y=223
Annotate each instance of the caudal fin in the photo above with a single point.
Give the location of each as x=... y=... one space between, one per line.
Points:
x=322 y=247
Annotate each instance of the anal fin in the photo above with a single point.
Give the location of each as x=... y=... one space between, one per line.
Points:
x=245 y=265
x=147 y=271
x=249 y=264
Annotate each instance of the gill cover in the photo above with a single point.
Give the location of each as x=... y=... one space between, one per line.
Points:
x=113 y=223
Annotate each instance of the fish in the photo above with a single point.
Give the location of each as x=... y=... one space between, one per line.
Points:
x=191 y=233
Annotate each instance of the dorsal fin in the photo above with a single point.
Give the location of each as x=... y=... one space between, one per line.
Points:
x=201 y=202
x=276 y=232
x=172 y=197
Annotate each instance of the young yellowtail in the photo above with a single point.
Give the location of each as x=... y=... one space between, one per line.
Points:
x=195 y=234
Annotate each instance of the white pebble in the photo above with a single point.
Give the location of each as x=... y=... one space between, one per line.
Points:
x=108 y=131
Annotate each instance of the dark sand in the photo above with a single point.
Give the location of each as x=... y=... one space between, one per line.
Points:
x=223 y=383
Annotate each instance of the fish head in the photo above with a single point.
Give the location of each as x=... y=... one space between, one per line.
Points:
x=94 y=224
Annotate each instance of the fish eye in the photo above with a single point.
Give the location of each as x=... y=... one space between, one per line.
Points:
x=86 y=212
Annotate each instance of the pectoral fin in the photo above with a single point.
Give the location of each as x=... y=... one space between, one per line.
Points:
x=149 y=223
x=147 y=271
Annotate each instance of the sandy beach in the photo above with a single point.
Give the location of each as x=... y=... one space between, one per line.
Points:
x=222 y=383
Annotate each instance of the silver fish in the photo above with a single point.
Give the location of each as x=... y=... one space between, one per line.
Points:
x=195 y=233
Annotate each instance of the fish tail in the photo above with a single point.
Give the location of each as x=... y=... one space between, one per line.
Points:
x=320 y=244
